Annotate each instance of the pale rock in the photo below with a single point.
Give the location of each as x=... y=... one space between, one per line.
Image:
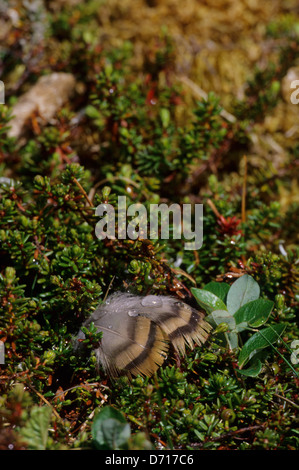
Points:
x=46 y=97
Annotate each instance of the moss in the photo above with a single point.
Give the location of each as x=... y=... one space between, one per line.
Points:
x=133 y=128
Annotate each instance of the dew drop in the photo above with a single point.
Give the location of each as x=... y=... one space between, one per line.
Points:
x=151 y=301
x=133 y=313
x=182 y=305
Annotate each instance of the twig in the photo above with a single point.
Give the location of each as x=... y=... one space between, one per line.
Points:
x=287 y=400
x=214 y=208
x=228 y=434
x=83 y=425
x=163 y=419
x=112 y=180
x=244 y=190
x=110 y=284
x=243 y=210
x=47 y=402
x=83 y=191
x=200 y=93
x=183 y=273
x=274 y=348
x=84 y=386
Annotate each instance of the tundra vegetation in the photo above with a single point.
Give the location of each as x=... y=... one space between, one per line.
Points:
x=159 y=102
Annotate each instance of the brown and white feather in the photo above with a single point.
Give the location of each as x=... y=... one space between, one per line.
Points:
x=137 y=331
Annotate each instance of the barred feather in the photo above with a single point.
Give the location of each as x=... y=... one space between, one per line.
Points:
x=137 y=331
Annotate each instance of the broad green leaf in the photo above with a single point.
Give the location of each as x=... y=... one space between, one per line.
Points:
x=208 y=300
x=110 y=429
x=220 y=289
x=253 y=370
x=254 y=313
x=222 y=316
x=115 y=434
x=261 y=339
x=35 y=431
x=232 y=339
x=109 y=412
x=243 y=290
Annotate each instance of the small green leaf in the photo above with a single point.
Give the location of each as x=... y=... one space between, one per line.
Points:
x=110 y=429
x=220 y=289
x=165 y=117
x=208 y=300
x=92 y=112
x=243 y=290
x=35 y=431
x=261 y=339
x=254 y=313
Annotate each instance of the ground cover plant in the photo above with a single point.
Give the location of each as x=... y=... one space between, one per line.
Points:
x=194 y=107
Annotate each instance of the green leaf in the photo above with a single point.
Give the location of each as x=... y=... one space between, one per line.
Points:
x=232 y=339
x=243 y=290
x=92 y=112
x=254 y=313
x=220 y=289
x=253 y=370
x=261 y=339
x=208 y=300
x=165 y=117
x=110 y=430
x=223 y=316
x=109 y=412
x=35 y=431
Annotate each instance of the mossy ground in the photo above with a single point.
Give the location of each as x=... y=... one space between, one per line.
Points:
x=138 y=126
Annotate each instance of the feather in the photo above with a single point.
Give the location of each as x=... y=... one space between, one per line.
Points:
x=137 y=331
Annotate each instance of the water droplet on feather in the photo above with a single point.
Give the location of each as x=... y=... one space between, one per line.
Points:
x=151 y=301
x=133 y=313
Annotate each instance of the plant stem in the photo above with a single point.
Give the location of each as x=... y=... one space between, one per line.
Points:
x=276 y=350
x=163 y=419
